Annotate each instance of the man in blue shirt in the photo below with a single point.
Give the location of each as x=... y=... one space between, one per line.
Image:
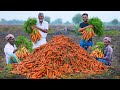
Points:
x=83 y=26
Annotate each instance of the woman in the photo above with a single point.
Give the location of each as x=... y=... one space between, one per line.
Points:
x=10 y=49
x=108 y=51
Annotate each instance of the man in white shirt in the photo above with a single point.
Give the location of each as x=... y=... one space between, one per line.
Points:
x=10 y=49
x=42 y=26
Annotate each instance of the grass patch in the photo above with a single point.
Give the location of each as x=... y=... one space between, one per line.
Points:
x=112 y=32
x=110 y=74
x=51 y=31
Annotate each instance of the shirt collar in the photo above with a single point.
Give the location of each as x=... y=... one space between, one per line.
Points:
x=10 y=44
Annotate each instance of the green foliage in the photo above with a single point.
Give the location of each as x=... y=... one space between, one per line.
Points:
x=77 y=18
x=98 y=26
x=9 y=67
x=114 y=21
x=21 y=40
x=47 y=18
x=67 y=22
x=99 y=45
x=76 y=27
x=11 y=22
x=6 y=73
x=50 y=31
x=112 y=32
x=28 y=24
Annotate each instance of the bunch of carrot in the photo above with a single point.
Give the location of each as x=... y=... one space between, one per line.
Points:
x=35 y=35
x=22 y=53
x=58 y=57
x=97 y=53
x=88 y=33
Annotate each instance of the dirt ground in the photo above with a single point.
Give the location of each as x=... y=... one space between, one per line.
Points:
x=18 y=30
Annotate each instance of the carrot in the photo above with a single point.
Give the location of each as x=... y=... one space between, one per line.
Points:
x=35 y=36
x=59 y=57
x=22 y=53
x=88 y=33
x=97 y=53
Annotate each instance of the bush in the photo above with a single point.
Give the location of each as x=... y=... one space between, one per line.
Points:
x=76 y=27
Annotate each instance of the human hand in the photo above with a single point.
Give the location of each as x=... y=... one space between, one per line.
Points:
x=33 y=27
x=91 y=26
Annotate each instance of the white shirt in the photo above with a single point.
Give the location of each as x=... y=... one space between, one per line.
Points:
x=8 y=49
x=44 y=26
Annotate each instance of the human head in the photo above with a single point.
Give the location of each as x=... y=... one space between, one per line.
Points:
x=85 y=17
x=107 y=41
x=41 y=17
x=10 y=38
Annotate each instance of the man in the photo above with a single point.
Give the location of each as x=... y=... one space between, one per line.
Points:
x=107 y=60
x=83 y=26
x=10 y=49
x=42 y=26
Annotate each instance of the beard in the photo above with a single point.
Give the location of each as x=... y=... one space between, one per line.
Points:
x=12 y=42
x=41 y=20
x=85 y=20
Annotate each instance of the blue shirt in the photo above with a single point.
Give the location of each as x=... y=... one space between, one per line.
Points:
x=83 y=24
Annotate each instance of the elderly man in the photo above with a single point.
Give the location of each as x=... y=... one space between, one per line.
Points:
x=107 y=60
x=42 y=26
x=10 y=49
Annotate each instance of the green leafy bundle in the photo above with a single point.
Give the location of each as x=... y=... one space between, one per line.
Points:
x=21 y=40
x=99 y=45
x=28 y=24
x=98 y=26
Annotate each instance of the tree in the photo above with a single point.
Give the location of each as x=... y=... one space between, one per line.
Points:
x=114 y=21
x=11 y=22
x=57 y=21
x=77 y=18
x=3 y=21
x=47 y=18
x=67 y=22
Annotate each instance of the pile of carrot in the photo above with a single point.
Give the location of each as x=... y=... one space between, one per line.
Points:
x=35 y=35
x=88 y=33
x=58 y=57
x=22 y=53
x=97 y=53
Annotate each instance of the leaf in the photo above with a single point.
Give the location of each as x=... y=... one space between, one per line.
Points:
x=28 y=24
x=21 y=40
x=98 y=26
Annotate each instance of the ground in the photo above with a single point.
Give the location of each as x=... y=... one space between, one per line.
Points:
x=113 y=73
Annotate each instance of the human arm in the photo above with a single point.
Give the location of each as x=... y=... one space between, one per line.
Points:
x=18 y=48
x=45 y=30
x=82 y=29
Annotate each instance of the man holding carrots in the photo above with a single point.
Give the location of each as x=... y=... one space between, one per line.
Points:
x=42 y=26
x=83 y=26
x=108 y=52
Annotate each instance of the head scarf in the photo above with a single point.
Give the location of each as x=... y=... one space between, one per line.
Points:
x=9 y=36
x=107 y=38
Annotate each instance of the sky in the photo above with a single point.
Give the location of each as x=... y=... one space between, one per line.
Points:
x=105 y=16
